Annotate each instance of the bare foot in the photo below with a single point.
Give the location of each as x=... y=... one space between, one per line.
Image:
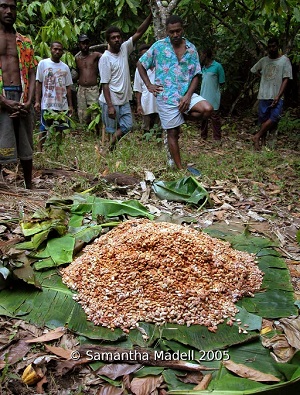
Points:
x=256 y=142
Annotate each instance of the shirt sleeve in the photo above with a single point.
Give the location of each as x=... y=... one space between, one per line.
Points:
x=257 y=67
x=39 y=72
x=69 y=80
x=104 y=69
x=221 y=74
x=137 y=84
x=287 y=70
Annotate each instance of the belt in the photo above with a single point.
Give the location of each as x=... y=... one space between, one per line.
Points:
x=13 y=88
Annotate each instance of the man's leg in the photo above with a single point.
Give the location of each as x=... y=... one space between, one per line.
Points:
x=268 y=116
x=201 y=110
x=216 y=125
x=41 y=140
x=27 y=171
x=115 y=138
x=204 y=128
x=82 y=105
x=42 y=133
x=261 y=134
x=173 y=137
x=124 y=121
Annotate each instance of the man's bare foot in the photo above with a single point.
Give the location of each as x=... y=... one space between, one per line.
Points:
x=256 y=142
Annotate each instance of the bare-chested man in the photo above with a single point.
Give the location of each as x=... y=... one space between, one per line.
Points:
x=17 y=84
x=87 y=67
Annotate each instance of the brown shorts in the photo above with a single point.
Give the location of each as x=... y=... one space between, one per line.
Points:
x=15 y=134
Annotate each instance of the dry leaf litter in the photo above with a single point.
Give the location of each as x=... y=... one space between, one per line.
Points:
x=161 y=272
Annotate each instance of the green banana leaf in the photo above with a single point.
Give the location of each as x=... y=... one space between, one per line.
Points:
x=187 y=190
x=54 y=306
x=57 y=234
x=109 y=208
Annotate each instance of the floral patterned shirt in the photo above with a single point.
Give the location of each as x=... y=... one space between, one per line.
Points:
x=27 y=62
x=174 y=75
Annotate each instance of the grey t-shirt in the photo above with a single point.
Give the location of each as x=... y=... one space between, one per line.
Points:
x=272 y=72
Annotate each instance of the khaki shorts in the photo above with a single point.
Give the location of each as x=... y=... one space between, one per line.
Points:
x=16 y=134
x=86 y=96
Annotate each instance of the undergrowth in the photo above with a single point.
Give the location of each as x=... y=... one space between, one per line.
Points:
x=233 y=159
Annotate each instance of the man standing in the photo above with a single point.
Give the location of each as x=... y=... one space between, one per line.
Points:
x=88 y=88
x=177 y=70
x=146 y=103
x=213 y=77
x=53 y=89
x=17 y=83
x=275 y=71
x=115 y=80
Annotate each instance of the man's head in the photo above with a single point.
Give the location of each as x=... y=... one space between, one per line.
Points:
x=206 y=55
x=143 y=48
x=8 y=12
x=84 y=44
x=174 y=28
x=57 y=50
x=273 y=47
x=114 y=38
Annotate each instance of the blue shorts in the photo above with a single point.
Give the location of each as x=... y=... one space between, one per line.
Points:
x=123 y=118
x=46 y=123
x=265 y=111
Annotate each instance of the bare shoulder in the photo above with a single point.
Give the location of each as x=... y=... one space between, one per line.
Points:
x=97 y=55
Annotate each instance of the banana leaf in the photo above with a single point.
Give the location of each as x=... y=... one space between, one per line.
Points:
x=54 y=306
x=57 y=234
x=187 y=190
x=109 y=208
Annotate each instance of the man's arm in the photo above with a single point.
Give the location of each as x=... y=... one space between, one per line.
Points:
x=38 y=96
x=283 y=86
x=139 y=108
x=69 y=99
x=111 y=108
x=31 y=90
x=142 y=28
x=143 y=73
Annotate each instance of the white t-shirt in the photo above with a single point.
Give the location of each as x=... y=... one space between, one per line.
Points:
x=114 y=70
x=272 y=72
x=148 y=100
x=55 y=77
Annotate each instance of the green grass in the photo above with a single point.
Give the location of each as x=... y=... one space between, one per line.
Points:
x=233 y=160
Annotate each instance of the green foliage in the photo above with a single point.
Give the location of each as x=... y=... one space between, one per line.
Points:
x=154 y=134
x=289 y=123
x=237 y=31
x=95 y=111
x=60 y=126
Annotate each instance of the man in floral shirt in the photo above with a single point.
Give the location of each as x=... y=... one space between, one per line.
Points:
x=17 y=84
x=177 y=70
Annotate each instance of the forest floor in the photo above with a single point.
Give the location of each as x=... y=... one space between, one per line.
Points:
x=268 y=206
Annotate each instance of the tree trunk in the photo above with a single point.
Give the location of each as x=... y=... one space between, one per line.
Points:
x=161 y=10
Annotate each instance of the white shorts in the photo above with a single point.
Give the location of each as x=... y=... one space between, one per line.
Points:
x=170 y=116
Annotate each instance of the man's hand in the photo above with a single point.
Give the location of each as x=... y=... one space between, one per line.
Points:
x=111 y=112
x=184 y=103
x=155 y=89
x=139 y=110
x=14 y=108
x=275 y=101
x=37 y=107
x=70 y=111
